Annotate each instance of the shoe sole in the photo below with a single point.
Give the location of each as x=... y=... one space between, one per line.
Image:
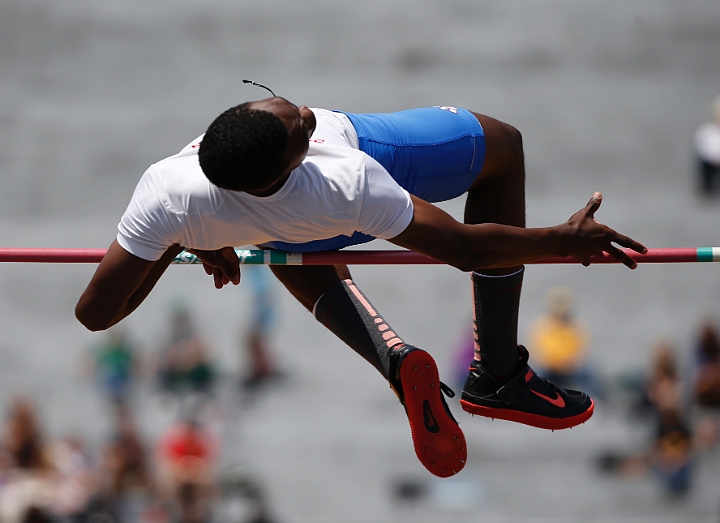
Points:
x=439 y=442
x=534 y=420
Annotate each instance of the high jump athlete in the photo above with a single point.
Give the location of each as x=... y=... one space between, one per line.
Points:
x=282 y=176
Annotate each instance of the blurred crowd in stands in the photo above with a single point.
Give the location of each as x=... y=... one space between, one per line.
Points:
x=676 y=402
x=680 y=401
x=173 y=476
x=173 y=479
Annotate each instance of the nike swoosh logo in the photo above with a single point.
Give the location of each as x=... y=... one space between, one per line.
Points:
x=558 y=401
x=431 y=425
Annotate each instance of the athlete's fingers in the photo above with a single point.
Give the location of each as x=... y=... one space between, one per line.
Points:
x=220 y=279
x=622 y=256
x=232 y=268
x=593 y=204
x=628 y=242
x=221 y=263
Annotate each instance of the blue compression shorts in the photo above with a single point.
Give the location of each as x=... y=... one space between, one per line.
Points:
x=434 y=153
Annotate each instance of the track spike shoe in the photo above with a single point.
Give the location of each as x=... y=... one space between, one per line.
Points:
x=439 y=442
x=524 y=398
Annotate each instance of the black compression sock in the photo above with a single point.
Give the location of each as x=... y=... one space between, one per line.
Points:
x=349 y=315
x=496 y=306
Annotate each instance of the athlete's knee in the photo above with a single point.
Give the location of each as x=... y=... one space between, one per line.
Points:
x=503 y=150
x=515 y=140
x=509 y=143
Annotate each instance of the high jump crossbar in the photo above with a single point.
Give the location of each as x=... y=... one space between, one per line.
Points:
x=390 y=257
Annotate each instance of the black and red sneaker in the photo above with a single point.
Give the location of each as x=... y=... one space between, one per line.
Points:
x=439 y=442
x=525 y=398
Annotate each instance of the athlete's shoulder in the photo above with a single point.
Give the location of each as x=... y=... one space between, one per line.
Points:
x=181 y=186
x=333 y=128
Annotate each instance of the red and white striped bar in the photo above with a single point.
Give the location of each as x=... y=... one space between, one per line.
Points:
x=393 y=257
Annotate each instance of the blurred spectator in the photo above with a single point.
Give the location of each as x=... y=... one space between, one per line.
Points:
x=26 y=487
x=558 y=343
x=663 y=387
x=244 y=498
x=707 y=377
x=706 y=385
x=76 y=483
x=672 y=449
x=707 y=150
x=256 y=340
x=186 y=459
x=22 y=439
x=125 y=466
x=671 y=456
x=116 y=365
x=672 y=452
x=185 y=361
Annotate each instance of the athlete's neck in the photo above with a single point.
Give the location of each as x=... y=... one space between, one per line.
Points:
x=272 y=189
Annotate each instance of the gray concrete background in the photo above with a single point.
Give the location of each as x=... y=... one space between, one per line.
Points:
x=607 y=95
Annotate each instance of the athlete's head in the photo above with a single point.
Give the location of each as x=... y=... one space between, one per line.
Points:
x=253 y=146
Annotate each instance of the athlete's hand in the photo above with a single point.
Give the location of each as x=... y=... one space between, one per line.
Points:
x=588 y=237
x=223 y=265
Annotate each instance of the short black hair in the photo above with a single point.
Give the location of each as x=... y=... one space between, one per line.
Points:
x=242 y=149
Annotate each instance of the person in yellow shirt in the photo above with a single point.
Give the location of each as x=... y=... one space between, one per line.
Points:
x=559 y=341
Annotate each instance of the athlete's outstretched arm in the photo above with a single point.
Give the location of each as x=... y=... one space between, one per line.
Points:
x=488 y=245
x=120 y=284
